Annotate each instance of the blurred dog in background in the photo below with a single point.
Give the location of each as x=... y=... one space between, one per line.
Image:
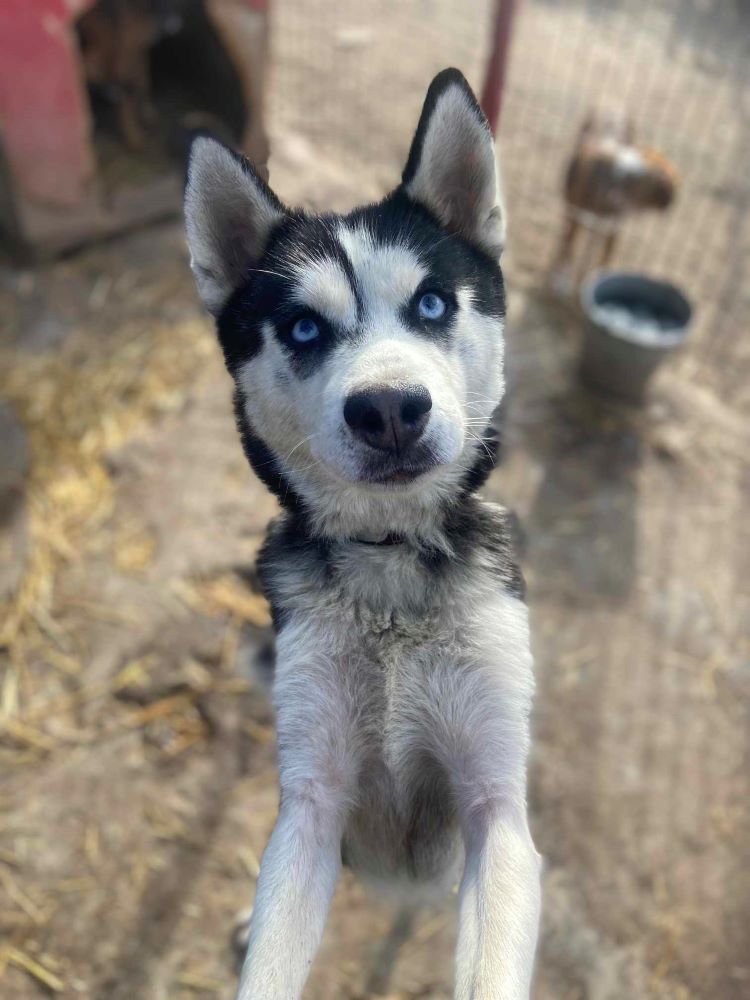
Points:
x=609 y=177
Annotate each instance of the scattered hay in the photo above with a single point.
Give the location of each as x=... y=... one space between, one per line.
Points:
x=37 y=912
x=22 y=960
x=134 y=550
x=197 y=982
x=229 y=594
x=78 y=406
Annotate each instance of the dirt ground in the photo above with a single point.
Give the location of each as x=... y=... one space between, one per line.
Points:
x=137 y=776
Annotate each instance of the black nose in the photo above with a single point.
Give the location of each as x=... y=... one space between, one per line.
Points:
x=389 y=419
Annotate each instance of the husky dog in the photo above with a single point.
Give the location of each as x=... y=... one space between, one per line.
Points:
x=367 y=354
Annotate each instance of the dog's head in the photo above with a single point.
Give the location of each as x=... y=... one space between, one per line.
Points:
x=366 y=349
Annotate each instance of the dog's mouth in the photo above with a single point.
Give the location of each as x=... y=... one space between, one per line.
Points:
x=397 y=472
x=399 y=477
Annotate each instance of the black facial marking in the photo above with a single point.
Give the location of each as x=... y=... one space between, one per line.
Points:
x=432 y=329
x=239 y=329
x=304 y=357
x=268 y=295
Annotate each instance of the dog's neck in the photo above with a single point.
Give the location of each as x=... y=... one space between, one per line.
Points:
x=379 y=571
x=383 y=541
x=399 y=573
x=385 y=522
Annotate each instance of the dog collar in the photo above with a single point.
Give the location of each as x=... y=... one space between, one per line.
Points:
x=390 y=539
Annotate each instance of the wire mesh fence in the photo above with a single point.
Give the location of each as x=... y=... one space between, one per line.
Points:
x=348 y=82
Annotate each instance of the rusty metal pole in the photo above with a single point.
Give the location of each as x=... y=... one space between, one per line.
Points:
x=497 y=65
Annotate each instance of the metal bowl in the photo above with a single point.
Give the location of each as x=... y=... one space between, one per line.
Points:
x=632 y=324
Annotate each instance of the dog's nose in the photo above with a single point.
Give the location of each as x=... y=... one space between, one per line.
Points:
x=389 y=419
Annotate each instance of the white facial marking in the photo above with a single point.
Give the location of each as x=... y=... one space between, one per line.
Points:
x=323 y=286
x=389 y=275
x=480 y=343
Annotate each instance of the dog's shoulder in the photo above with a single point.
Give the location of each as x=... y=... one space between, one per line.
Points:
x=289 y=561
x=484 y=534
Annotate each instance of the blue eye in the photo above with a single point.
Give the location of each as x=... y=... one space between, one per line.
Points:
x=305 y=330
x=431 y=306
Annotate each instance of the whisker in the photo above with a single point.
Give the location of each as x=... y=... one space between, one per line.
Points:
x=473 y=437
x=315 y=462
x=299 y=445
x=275 y=274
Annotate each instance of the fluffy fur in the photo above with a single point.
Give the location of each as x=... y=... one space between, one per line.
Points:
x=404 y=679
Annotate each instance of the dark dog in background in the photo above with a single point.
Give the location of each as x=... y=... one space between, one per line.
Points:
x=116 y=38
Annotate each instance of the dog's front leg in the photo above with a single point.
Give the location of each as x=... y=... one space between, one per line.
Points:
x=302 y=862
x=297 y=879
x=499 y=903
x=480 y=723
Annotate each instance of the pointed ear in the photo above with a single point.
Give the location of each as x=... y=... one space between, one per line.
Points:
x=451 y=168
x=229 y=214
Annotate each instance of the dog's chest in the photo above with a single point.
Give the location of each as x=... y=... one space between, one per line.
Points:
x=385 y=631
x=393 y=612
x=385 y=613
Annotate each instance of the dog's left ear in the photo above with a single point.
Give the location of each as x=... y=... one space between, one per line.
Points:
x=451 y=168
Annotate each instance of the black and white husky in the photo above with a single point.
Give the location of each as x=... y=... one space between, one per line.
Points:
x=367 y=352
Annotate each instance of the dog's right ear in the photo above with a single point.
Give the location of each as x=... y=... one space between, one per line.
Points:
x=229 y=215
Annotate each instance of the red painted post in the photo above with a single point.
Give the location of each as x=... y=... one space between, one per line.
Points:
x=494 y=81
x=43 y=106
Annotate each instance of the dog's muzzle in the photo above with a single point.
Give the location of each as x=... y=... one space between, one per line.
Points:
x=390 y=420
